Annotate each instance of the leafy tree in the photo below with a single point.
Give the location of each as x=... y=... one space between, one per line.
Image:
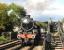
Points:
x=17 y=11
x=8 y=22
x=3 y=6
x=3 y=15
x=41 y=24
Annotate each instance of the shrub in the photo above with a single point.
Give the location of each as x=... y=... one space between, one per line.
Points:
x=2 y=38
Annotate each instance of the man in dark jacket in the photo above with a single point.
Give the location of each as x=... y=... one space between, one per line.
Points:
x=48 y=42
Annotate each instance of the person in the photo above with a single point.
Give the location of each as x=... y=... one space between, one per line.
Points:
x=48 y=41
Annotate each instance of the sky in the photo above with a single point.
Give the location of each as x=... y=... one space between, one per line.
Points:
x=41 y=10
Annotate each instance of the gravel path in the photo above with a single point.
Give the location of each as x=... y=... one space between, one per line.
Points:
x=38 y=48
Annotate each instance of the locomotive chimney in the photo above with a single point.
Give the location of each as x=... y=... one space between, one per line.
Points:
x=28 y=16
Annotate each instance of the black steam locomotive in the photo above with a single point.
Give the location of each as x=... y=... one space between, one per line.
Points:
x=29 y=32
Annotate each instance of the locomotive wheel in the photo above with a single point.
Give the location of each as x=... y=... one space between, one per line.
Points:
x=27 y=43
x=24 y=42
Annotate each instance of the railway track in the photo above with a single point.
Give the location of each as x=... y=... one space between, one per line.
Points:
x=18 y=47
x=8 y=45
x=15 y=45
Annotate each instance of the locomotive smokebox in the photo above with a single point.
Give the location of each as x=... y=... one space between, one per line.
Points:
x=27 y=23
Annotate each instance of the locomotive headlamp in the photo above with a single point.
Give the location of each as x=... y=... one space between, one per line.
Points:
x=26 y=20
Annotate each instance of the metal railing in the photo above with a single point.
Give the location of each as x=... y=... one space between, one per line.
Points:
x=61 y=33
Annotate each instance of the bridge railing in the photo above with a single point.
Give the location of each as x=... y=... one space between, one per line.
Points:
x=61 y=34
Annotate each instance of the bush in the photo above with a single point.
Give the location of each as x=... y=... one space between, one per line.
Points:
x=2 y=38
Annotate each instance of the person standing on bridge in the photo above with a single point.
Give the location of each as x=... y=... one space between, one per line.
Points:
x=48 y=41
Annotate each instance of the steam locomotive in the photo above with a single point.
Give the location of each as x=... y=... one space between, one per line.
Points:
x=29 y=32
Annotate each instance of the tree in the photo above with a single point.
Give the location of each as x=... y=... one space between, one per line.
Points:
x=41 y=24
x=13 y=18
x=3 y=15
x=8 y=22
x=17 y=10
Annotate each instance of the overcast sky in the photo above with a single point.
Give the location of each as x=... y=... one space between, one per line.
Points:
x=41 y=9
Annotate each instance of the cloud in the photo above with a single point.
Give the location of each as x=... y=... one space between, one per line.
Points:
x=55 y=9
x=44 y=7
x=37 y=8
x=37 y=5
x=42 y=10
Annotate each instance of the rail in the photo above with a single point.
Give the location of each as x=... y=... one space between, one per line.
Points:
x=61 y=34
